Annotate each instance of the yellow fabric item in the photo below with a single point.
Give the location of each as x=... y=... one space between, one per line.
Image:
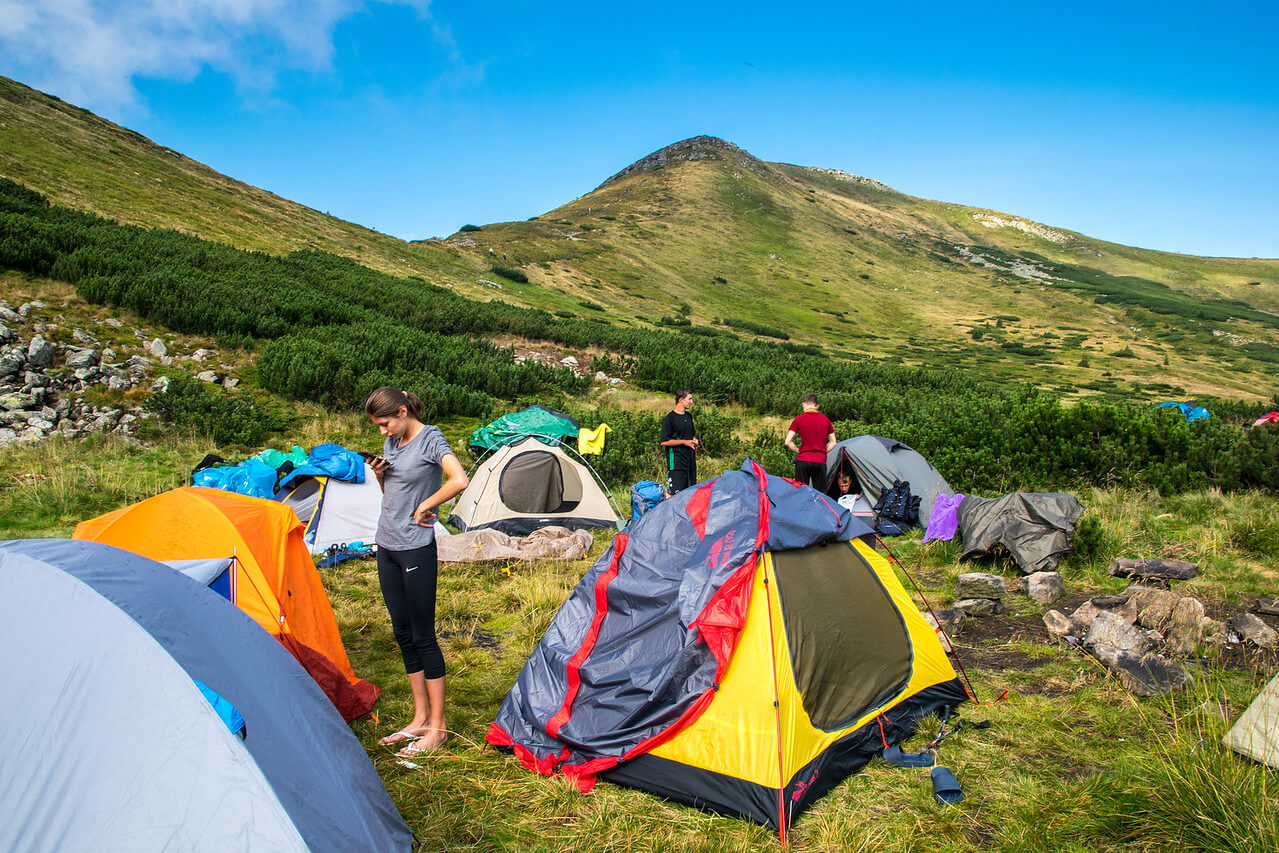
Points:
x=591 y=441
x=276 y=581
x=738 y=734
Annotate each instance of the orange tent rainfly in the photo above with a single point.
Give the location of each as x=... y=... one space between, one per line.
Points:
x=276 y=582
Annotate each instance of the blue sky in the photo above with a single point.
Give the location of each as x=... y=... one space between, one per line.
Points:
x=1155 y=125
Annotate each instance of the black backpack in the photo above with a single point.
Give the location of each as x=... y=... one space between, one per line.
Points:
x=897 y=510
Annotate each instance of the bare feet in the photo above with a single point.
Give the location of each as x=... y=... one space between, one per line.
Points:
x=408 y=733
x=429 y=742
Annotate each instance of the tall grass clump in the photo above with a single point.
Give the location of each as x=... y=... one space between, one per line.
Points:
x=1187 y=791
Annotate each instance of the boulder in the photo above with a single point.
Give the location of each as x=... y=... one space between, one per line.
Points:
x=157 y=348
x=77 y=357
x=160 y=385
x=1253 y=630
x=979 y=606
x=1153 y=569
x=201 y=354
x=1113 y=631
x=11 y=364
x=1109 y=602
x=1151 y=608
x=40 y=352
x=6 y=334
x=8 y=315
x=1268 y=606
x=980 y=585
x=1085 y=613
x=35 y=379
x=119 y=383
x=207 y=376
x=230 y=382
x=1146 y=675
x=1060 y=626
x=948 y=619
x=17 y=400
x=1045 y=587
x=82 y=337
x=1185 y=626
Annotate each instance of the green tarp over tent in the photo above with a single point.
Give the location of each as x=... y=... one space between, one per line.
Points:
x=548 y=426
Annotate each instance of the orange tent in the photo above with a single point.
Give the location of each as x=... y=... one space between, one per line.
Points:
x=276 y=583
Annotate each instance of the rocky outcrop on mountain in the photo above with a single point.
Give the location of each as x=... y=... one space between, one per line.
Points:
x=695 y=148
x=43 y=381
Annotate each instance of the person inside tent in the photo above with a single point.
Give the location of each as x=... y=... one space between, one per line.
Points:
x=417 y=472
x=844 y=494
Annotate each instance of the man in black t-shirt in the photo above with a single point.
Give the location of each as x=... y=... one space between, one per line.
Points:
x=681 y=443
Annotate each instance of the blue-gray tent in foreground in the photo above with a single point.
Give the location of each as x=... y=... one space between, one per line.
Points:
x=109 y=744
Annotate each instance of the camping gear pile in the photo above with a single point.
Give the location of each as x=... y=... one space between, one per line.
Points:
x=116 y=744
x=739 y=647
x=488 y=545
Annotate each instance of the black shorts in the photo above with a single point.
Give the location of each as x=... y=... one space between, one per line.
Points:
x=679 y=479
x=811 y=474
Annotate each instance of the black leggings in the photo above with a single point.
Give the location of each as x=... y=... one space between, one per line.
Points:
x=407 y=579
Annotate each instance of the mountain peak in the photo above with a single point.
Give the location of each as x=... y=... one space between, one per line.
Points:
x=693 y=148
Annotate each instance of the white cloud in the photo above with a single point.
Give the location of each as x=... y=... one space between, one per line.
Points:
x=90 y=51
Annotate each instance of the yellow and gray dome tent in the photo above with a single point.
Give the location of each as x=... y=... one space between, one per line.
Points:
x=526 y=484
x=740 y=648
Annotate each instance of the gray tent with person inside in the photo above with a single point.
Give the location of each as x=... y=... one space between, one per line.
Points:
x=875 y=463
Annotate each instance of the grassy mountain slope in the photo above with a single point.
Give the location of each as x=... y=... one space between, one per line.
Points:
x=703 y=232
x=83 y=161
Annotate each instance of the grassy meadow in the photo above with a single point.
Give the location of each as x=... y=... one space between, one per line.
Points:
x=1070 y=762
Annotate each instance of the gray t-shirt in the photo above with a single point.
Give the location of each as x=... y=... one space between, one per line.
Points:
x=415 y=474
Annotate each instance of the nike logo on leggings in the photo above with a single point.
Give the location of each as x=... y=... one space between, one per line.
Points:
x=409 y=569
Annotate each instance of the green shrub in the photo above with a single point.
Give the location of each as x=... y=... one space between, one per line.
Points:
x=465 y=228
x=511 y=274
x=228 y=417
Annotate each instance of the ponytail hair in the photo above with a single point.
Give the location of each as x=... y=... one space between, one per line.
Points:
x=385 y=402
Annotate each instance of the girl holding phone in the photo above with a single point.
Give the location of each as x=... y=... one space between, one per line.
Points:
x=417 y=472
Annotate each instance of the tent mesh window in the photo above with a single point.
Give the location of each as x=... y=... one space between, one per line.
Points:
x=533 y=482
x=849 y=646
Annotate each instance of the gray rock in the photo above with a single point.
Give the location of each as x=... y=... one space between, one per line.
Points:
x=160 y=385
x=8 y=315
x=207 y=376
x=49 y=413
x=230 y=382
x=7 y=334
x=1268 y=606
x=119 y=383
x=980 y=585
x=1085 y=613
x=201 y=354
x=86 y=374
x=77 y=358
x=80 y=336
x=111 y=321
x=17 y=400
x=1153 y=569
x=14 y=418
x=1146 y=675
x=39 y=423
x=40 y=352
x=1109 y=602
x=1151 y=608
x=1253 y=630
x=1060 y=626
x=979 y=607
x=11 y=364
x=34 y=379
x=1113 y=631
x=108 y=355
x=1045 y=587
x=7 y=436
x=158 y=349
x=948 y=619
x=1185 y=626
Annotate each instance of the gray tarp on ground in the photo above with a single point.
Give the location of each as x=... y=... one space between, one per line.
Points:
x=878 y=462
x=1035 y=528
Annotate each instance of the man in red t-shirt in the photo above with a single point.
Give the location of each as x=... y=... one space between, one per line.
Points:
x=816 y=440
